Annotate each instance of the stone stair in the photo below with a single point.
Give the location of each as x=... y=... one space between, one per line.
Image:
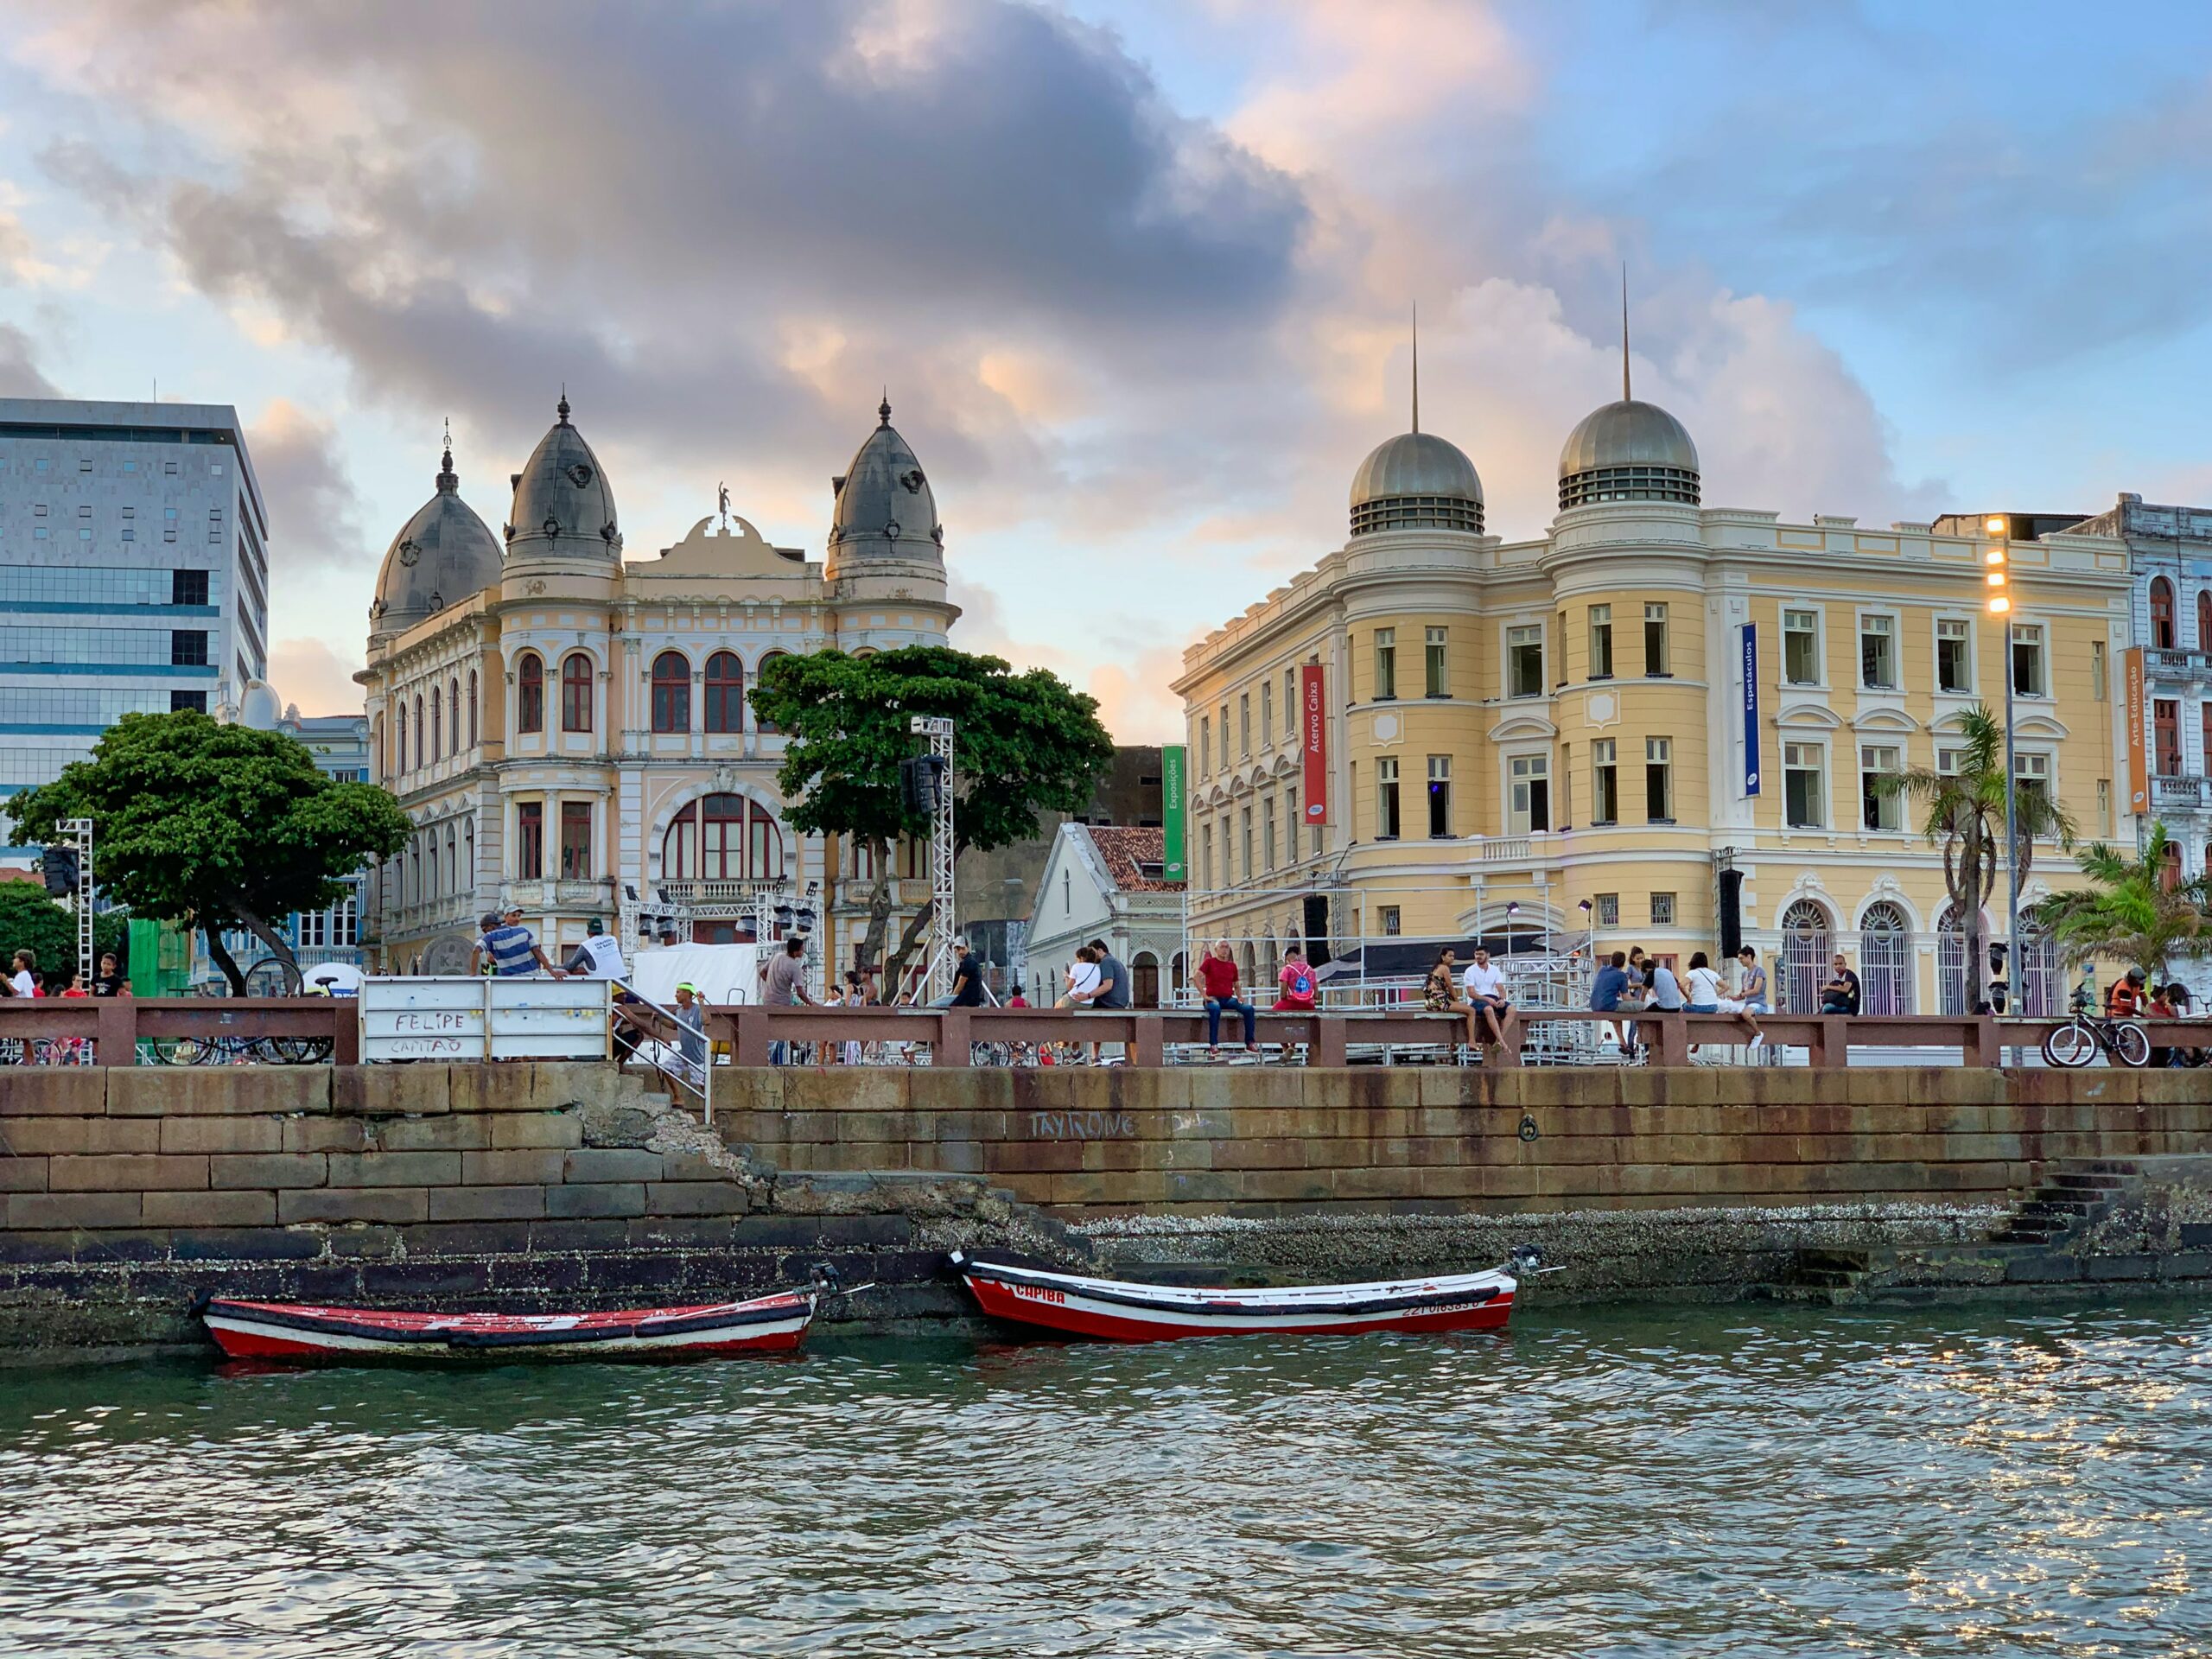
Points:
x=2075 y=1194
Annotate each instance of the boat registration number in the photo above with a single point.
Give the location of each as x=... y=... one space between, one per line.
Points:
x=1038 y=1293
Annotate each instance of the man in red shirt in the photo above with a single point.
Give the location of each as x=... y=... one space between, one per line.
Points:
x=1294 y=984
x=1218 y=980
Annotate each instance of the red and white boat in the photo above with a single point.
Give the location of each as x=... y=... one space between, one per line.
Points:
x=1130 y=1312
x=765 y=1324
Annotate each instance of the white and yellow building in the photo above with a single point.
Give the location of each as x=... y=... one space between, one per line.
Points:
x=574 y=733
x=1556 y=738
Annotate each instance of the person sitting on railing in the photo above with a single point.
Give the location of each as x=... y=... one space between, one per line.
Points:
x=967 y=980
x=1843 y=992
x=1295 y=983
x=1486 y=998
x=1704 y=997
x=1439 y=992
x=2125 y=999
x=1218 y=980
x=1606 y=986
x=512 y=948
x=1751 y=987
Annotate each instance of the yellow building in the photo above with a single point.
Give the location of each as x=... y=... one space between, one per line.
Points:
x=1554 y=737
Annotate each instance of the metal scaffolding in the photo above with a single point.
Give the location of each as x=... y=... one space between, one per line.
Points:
x=943 y=927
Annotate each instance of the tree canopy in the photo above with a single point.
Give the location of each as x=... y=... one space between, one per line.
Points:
x=2137 y=912
x=215 y=826
x=1021 y=744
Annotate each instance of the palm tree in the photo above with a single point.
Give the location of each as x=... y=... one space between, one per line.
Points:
x=2137 y=912
x=1964 y=813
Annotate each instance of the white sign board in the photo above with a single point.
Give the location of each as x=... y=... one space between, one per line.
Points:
x=484 y=1018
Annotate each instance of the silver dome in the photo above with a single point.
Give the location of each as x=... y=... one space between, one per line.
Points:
x=1628 y=451
x=1416 y=480
x=885 y=505
x=441 y=555
x=564 y=506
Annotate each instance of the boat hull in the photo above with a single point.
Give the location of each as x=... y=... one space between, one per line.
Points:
x=1119 y=1312
x=285 y=1331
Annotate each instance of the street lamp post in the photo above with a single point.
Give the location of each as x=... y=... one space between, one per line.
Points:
x=1997 y=561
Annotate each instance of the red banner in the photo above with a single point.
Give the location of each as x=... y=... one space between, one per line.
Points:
x=1314 y=740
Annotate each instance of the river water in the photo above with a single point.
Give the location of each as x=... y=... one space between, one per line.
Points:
x=1711 y=1481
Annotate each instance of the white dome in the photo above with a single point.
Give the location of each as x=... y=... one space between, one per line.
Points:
x=259 y=707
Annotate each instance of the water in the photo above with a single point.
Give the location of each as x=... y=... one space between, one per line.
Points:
x=1707 y=1481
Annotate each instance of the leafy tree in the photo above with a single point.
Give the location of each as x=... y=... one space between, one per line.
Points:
x=2139 y=912
x=1021 y=744
x=1964 y=813
x=215 y=826
x=31 y=921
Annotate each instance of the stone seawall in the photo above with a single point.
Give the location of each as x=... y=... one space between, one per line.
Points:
x=1271 y=1142
x=125 y=1193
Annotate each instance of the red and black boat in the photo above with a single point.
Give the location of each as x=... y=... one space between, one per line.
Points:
x=776 y=1323
x=1124 y=1312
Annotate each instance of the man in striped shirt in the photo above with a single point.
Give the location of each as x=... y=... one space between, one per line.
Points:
x=512 y=947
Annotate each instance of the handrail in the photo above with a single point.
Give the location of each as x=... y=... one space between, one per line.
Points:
x=666 y=1036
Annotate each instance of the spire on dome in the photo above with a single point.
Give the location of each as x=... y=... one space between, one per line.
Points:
x=883 y=409
x=1416 y=426
x=1625 y=397
x=449 y=480
x=561 y=408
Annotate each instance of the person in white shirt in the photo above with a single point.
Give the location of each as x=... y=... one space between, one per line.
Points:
x=1705 y=996
x=600 y=956
x=1485 y=988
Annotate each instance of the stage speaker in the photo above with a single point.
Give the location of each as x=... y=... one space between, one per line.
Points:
x=1732 y=913
x=1317 y=928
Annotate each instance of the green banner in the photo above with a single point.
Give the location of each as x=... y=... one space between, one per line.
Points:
x=1174 y=799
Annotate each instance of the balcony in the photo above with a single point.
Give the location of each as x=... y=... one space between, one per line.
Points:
x=2176 y=789
x=696 y=893
x=566 y=893
x=2176 y=665
x=858 y=891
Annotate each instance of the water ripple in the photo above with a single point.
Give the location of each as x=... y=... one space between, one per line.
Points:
x=1707 y=1481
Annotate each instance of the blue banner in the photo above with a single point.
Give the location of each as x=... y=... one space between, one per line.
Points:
x=1751 y=656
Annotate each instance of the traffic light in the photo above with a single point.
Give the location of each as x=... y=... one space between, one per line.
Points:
x=59 y=865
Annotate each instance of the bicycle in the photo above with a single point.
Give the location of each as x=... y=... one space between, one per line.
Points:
x=2084 y=1036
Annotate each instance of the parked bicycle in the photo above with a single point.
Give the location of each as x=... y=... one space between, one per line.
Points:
x=2085 y=1036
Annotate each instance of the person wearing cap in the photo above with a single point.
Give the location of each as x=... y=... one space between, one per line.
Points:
x=512 y=948
x=691 y=1018
x=967 y=980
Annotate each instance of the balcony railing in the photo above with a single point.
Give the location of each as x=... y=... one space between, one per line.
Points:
x=2188 y=789
x=2176 y=665
x=703 y=892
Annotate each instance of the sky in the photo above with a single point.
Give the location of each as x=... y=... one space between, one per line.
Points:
x=1137 y=274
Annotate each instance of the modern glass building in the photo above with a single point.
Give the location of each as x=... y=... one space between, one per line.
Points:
x=134 y=571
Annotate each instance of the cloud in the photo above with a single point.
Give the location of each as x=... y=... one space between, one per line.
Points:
x=309 y=673
x=314 y=513
x=19 y=370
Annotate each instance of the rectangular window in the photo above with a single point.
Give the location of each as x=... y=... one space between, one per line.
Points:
x=1225 y=760
x=2032 y=778
x=1291 y=728
x=1659 y=779
x=1267 y=833
x=1205 y=746
x=529 y=841
x=1877 y=653
x=1439 y=796
x=1393 y=920
x=1559 y=669
x=1524 y=662
x=576 y=841
x=1879 y=809
x=1801 y=805
x=187 y=586
x=1947 y=763
x=1386 y=663
x=1267 y=713
x=1604 y=782
x=195 y=701
x=1655 y=641
x=1662 y=910
x=1386 y=799
x=1206 y=856
x=1801 y=647
x=2099 y=678
x=1245 y=825
x=2027 y=660
x=1606 y=909
x=2104 y=807
x=1953 y=657
x=1529 y=803
x=2166 y=728
x=1244 y=724
x=1438 y=668
x=188 y=648
x=1601 y=642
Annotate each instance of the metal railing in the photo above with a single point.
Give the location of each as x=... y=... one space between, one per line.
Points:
x=653 y=1035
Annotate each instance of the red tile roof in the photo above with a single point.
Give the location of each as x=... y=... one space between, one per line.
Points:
x=1124 y=848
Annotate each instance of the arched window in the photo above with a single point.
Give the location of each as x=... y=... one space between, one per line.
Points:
x=472 y=707
x=1884 y=960
x=2204 y=618
x=529 y=693
x=1808 y=937
x=421 y=753
x=433 y=890
x=671 y=692
x=453 y=863
x=2162 y=614
x=575 y=693
x=725 y=692
x=437 y=728
x=452 y=716
x=399 y=740
x=723 y=838
x=468 y=853
x=767 y=727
